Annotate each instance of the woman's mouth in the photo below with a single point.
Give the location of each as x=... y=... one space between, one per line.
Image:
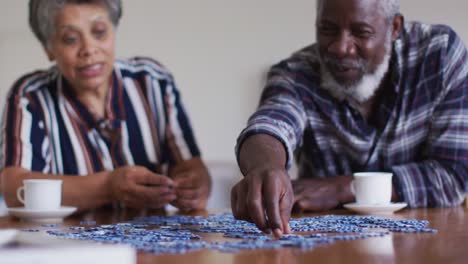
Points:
x=91 y=70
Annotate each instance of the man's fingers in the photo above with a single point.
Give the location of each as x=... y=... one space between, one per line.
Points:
x=307 y=204
x=255 y=205
x=285 y=208
x=271 y=202
x=238 y=202
x=298 y=189
x=234 y=201
x=259 y=199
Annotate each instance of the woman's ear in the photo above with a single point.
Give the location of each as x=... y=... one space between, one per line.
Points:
x=49 y=54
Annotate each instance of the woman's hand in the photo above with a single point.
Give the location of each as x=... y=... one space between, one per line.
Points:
x=193 y=185
x=138 y=187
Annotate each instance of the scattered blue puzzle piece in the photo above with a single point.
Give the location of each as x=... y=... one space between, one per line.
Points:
x=30 y=230
x=50 y=225
x=88 y=223
x=177 y=234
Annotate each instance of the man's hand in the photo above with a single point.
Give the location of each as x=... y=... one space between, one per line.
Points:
x=193 y=185
x=138 y=187
x=321 y=194
x=264 y=197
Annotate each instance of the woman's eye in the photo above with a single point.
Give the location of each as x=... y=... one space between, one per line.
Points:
x=100 y=33
x=70 y=40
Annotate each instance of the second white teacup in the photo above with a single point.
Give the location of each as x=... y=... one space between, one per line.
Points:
x=372 y=187
x=40 y=194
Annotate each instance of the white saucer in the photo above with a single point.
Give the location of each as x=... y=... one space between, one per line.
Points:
x=375 y=208
x=41 y=216
x=7 y=236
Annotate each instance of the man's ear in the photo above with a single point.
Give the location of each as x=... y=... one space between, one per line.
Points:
x=397 y=26
x=49 y=54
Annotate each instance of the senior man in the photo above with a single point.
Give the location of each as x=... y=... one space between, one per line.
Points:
x=375 y=93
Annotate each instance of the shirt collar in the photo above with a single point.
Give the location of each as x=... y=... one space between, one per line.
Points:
x=80 y=113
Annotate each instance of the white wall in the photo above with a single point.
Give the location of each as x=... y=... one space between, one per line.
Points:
x=219 y=51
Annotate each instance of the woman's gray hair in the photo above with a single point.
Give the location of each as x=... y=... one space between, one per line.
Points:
x=389 y=8
x=42 y=15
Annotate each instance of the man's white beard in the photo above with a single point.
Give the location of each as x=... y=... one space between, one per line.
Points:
x=363 y=89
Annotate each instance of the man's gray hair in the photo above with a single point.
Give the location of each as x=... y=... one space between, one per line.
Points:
x=389 y=8
x=42 y=15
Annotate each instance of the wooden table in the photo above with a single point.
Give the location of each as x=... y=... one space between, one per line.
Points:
x=449 y=245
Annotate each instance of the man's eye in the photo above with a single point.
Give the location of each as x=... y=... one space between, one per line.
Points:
x=327 y=30
x=363 y=33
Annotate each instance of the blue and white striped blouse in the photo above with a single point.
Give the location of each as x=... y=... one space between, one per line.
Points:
x=46 y=129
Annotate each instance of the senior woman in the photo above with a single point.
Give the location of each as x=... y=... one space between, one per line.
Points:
x=119 y=123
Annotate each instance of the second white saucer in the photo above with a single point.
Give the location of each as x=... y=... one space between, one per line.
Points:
x=373 y=209
x=41 y=216
x=7 y=235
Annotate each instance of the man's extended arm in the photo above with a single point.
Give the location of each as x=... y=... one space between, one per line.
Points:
x=265 y=195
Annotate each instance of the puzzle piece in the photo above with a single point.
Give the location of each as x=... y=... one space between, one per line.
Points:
x=177 y=234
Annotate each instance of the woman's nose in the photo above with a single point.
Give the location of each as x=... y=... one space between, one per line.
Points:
x=88 y=47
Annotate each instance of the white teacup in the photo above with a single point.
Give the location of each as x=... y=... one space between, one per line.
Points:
x=372 y=188
x=40 y=194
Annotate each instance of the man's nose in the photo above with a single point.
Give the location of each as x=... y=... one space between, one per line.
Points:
x=342 y=45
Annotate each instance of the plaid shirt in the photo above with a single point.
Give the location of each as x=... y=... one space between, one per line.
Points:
x=421 y=128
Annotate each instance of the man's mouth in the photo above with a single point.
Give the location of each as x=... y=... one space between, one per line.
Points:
x=342 y=68
x=345 y=73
